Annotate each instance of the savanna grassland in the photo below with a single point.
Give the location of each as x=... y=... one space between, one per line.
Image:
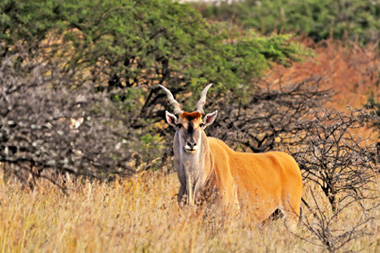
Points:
x=85 y=153
x=140 y=214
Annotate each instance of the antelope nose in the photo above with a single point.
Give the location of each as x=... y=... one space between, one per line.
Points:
x=191 y=144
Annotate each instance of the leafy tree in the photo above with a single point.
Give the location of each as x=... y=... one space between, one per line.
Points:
x=140 y=44
x=25 y=24
x=137 y=44
x=114 y=53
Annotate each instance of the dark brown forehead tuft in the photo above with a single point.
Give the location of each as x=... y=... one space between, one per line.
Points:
x=192 y=115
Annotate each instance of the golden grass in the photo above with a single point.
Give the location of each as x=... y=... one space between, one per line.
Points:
x=141 y=215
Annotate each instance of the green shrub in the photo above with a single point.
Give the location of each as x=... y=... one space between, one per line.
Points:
x=132 y=43
x=122 y=50
x=341 y=19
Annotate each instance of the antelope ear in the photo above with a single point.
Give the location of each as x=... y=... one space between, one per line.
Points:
x=210 y=118
x=170 y=118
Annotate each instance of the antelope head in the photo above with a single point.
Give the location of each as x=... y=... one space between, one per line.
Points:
x=189 y=126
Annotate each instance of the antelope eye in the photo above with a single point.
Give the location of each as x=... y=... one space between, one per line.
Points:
x=201 y=125
x=179 y=125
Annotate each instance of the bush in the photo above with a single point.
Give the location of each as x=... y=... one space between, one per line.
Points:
x=79 y=79
x=129 y=43
x=329 y=155
x=343 y=19
x=45 y=132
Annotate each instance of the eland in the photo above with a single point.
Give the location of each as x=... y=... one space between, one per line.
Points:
x=210 y=171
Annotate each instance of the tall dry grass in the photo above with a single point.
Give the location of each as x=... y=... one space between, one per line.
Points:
x=141 y=215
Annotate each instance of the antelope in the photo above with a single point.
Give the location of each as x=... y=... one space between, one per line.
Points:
x=205 y=165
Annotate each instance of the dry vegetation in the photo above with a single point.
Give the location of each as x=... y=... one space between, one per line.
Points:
x=351 y=71
x=141 y=214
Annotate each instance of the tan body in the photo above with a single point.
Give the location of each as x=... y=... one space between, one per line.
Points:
x=265 y=182
x=210 y=171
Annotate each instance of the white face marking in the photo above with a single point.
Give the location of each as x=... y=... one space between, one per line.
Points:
x=191 y=150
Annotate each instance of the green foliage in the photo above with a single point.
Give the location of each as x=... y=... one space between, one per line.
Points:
x=134 y=41
x=150 y=142
x=134 y=45
x=342 y=19
x=149 y=42
x=23 y=23
x=124 y=48
x=131 y=43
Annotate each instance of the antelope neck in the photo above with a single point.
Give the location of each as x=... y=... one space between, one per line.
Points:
x=192 y=170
